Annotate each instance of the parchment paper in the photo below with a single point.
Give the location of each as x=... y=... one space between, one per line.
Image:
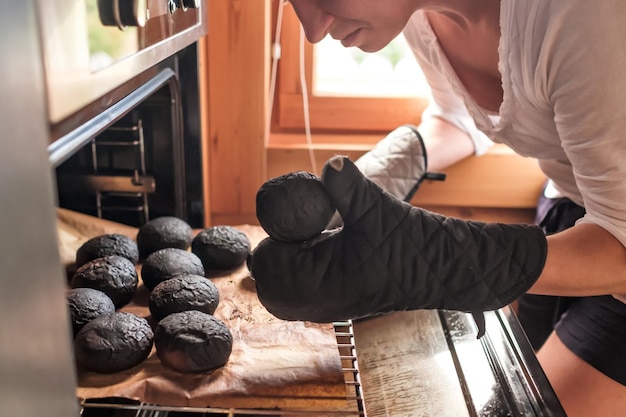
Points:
x=274 y=363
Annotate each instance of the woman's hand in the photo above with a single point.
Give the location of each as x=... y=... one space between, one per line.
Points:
x=391 y=256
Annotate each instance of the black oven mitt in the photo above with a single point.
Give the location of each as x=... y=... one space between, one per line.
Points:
x=392 y=256
x=397 y=164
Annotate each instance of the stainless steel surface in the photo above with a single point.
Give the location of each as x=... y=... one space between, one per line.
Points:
x=429 y=363
x=79 y=72
x=36 y=363
x=67 y=145
x=123 y=13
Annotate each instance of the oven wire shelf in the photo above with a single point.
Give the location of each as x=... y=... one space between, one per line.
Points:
x=347 y=354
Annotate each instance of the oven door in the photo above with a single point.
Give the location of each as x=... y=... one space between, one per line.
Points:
x=91 y=47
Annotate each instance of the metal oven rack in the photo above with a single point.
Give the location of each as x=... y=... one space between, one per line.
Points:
x=134 y=197
x=345 y=343
x=110 y=179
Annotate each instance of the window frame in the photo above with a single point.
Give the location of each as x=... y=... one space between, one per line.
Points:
x=329 y=114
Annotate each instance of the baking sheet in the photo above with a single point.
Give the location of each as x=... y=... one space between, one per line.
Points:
x=274 y=363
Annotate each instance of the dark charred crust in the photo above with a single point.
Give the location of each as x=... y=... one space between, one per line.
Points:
x=167 y=263
x=221 y=247
x=182 y=293
x=293 y=207
x=163 y=232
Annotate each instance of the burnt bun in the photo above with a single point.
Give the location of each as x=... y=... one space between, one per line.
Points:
x=114 y=275
x=86 y=304
x=193 y=342
x=163 y=232
x=293 y=207
x=221 y=247
x=167 y=263
x=182 y=293
x=113 y=343
x=106 y=245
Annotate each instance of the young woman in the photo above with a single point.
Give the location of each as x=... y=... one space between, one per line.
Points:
x=547 y=78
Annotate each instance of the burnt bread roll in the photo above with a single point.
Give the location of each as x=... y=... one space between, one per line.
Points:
x=293 y=207
x=182 y=293
x=86 y=304
x=221 y=247
x=192 y=342
x=113 y=343
x=114 y=275
x=167 y=263
x=106 y=245
x=163 y=232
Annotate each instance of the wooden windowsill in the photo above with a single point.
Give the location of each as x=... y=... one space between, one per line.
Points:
x=498 y=179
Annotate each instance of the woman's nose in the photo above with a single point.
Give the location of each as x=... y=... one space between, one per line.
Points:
x=314 y=20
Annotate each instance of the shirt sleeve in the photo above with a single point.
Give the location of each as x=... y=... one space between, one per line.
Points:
x=584 y=63
x=444 y=102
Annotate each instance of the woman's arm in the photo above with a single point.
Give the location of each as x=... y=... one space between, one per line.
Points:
x=445 y=143
x=582 y=69
x=583 y=260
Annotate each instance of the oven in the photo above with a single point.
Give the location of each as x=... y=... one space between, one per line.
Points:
x=114 y=135
x=101 y=114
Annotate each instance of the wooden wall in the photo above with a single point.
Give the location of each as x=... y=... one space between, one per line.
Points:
x=235 y=64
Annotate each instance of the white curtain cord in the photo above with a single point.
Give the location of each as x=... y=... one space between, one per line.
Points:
x=305 y=105
x=276 y=54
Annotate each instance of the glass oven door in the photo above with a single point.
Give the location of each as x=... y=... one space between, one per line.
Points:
x=92 y=47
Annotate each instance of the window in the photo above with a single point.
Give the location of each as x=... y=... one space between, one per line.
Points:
x=337 y=104
x=349 y=72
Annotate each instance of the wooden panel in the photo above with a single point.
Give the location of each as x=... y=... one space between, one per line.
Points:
x=281 y=161
x=498 y=179
x=237 y=66
x=343 y=113
x=203 y=85
x=486 y=214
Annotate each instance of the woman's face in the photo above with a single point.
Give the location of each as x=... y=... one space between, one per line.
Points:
x=367 y=24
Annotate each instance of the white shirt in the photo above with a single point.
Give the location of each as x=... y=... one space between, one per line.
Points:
x=563 y=67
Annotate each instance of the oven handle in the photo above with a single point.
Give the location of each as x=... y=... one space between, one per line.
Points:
x=61 y=149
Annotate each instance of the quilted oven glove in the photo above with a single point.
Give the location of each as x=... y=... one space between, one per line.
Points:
x=392 y=256
x=397 y=164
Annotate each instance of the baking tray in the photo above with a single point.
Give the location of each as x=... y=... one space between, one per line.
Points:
x=275 y=364
x=121 y=407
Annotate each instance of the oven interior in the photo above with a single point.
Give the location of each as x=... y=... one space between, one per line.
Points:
x=129 y=172
x=140 y=158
